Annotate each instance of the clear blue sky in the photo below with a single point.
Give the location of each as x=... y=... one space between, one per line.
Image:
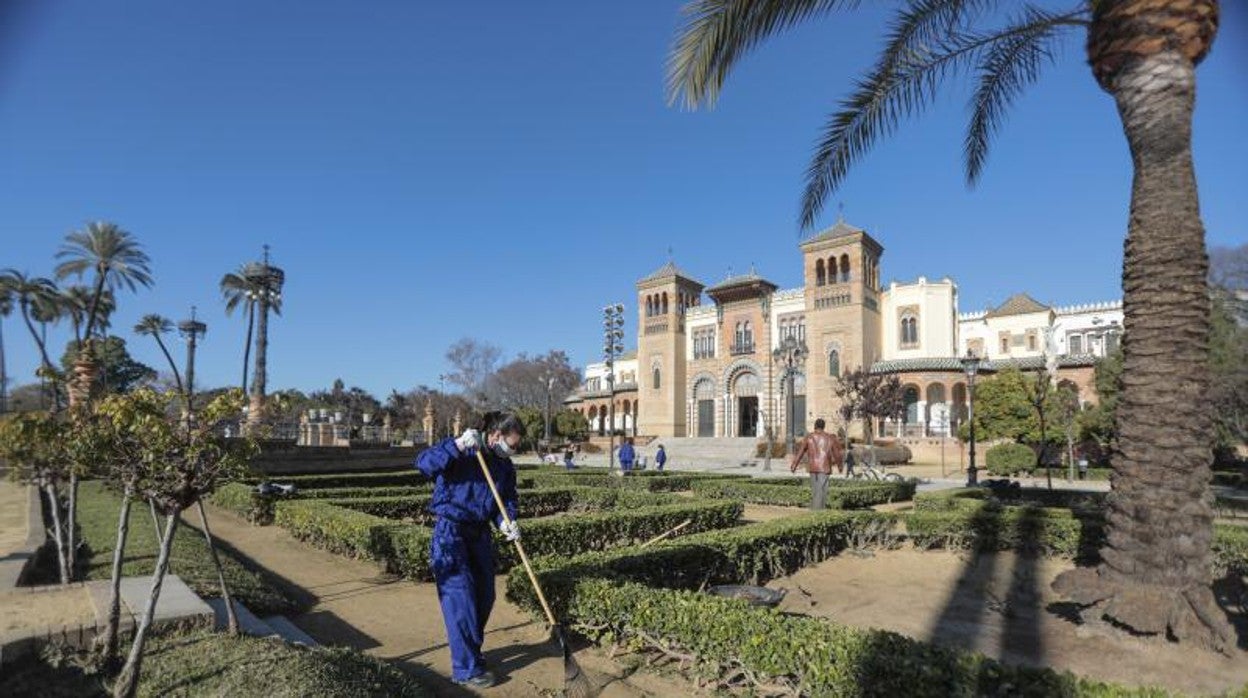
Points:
x=426 y=170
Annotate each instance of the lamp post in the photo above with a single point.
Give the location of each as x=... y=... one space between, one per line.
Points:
x=790 y=354
x=612 y=346
x=970 y=365
x=191 y=330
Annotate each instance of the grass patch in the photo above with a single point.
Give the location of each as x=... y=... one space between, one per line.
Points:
x=189 y=559
x=201 y=663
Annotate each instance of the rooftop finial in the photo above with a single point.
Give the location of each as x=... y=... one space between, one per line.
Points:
x=669 y=255
x=752 y=269
x=266 y=254
x=840 y=212
x=192 y=313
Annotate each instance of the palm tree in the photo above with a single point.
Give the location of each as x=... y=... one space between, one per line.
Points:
x=76 y=303
x=6 y=309
x=237 y=290
x=117 y=259
x=257 y=285
x=153 y=325
x=36 y=301
x=1156 y=567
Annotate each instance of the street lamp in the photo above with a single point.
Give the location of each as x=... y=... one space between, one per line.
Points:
x=791 y=354
x=970 y=365
x=612 y=346
x=550 y=387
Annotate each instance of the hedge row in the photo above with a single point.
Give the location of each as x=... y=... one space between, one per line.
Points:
x=841 y=496
x=244 y=500
x=404 y=548
x=807 y=656
x=408 y=478
x=975 y=498
x=754 y=553
x=532 y=503
x=646 y=480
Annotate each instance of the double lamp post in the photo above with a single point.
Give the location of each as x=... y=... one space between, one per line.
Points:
x=612 y=347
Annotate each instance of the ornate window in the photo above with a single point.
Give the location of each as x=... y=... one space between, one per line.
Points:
x=820 y=278
x=844 y=268
x=834 y=363
x=909 y=330
x=654 y=378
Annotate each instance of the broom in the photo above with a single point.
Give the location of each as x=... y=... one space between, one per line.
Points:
x=575 y=683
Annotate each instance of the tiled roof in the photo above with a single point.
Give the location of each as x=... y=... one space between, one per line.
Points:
x=1018 y=304
x=839 y=230
x=666 y=271
x=738 y=280
x=950 y=363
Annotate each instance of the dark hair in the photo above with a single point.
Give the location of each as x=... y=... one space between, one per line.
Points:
x=506 y=422
x=819 y=423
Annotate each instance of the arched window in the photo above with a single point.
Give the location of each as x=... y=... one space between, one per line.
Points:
x=749 y=334
x=909 y=330
x=820 y=279
x=831 y=270
x=834 y=363
x=649 y=307
x=844 y=268
x=654 y=377
x=739 y=336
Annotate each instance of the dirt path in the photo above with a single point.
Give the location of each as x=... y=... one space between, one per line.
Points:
x=401 y=621
x=13 y=510
x=1000 y=605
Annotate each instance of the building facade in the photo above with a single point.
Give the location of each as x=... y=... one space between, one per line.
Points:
x=707 y=369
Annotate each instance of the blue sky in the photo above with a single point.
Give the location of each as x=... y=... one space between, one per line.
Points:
x=426 y=171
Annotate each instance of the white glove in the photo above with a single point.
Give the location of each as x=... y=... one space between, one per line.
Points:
x=511 y=531
x=471 y=438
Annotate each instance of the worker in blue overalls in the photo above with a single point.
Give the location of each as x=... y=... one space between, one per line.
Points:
x=462 y=551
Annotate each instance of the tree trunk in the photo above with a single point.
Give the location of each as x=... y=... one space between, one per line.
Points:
x=251 y=324
x=1156 y=571
x=259 y=378
x=4 y=372
x=119 y=555
x=128 y=681
x=54 y=503
x=71 y=524
x=151 y=506
x=230 y=615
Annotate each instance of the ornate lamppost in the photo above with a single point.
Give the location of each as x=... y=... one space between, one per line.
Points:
x=266 y=283
x=970 y=365
x=612 y=346
x=191 y=330
x=790 y=354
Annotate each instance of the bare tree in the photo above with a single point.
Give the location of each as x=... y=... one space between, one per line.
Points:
x=472 y=362
x=869 y=397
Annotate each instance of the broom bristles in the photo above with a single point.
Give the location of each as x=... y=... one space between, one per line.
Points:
x=575 y=683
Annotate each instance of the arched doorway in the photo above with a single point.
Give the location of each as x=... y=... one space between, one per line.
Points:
x=704 y=405
x=937 y=410
x=745 y=390
x=957 y=412
x=909 y=420
x=794 y=410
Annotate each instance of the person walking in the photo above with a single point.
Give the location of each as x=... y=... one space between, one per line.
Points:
x=627 y=456
x=567 y=458
x=823 y=450
x=461 y=553
x=660 y=458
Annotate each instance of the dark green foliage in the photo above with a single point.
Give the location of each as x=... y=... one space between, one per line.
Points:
x=841 y=496
x=398 y=478
x=189 y=557
x=119 y=372
x=532 y=503
x=1010 y=459
x=336 y=528
x=203 y=663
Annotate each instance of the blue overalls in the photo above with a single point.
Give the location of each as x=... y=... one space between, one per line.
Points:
x=462 y=551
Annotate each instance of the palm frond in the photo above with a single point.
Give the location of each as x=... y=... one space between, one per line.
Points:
x=926 y=23
x=1005 y=70
x=716 y=33
x=899 y=86
x=153 y=324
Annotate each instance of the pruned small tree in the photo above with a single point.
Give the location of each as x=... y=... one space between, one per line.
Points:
x=183 y=461
x=869 y=397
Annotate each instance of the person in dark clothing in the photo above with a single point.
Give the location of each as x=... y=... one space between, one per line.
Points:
x=627 y=456
x=660 y=457
x=462 y=551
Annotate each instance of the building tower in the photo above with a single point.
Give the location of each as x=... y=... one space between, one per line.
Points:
x=842 y=285
x=662 y=298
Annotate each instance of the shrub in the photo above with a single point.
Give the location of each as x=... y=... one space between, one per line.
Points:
x=1009 y=459
x=336 y=528
x=779 y=449
x=244 y=500
x=841 y=496
x=404 y=478
x=532 y=503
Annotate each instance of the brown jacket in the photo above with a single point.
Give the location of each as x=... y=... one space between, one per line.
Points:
x=825 y=452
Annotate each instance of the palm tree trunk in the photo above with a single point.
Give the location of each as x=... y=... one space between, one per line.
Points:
x=251 y=324
x=119 y=556
x=230 y=615
x=54 y=503
x=177 y=375
x=1157 y=564
x=128 y=681
x=4 y=373
x=260 y=376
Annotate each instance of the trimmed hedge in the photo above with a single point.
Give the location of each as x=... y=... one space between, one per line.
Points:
x=404 y=478
x=841 y=496
x=336 y=528
x=974 y=498
x=244 y=500
x=645 y=480
x=533 y=504
x=1010 y=458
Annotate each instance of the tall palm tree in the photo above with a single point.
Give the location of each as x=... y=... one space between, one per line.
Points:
x=117 y=259
x=76 y=303
x=237 y=291
x=1156 y=566
x=6 y=309
x=257 y=286
x=154 y=326
x=36 y=301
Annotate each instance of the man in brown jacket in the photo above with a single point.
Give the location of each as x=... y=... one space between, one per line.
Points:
x=824 y=450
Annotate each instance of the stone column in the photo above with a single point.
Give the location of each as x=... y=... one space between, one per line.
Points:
x=457 y=425
x=428 y=421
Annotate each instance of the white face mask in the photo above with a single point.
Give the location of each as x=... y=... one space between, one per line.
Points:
x=502 y=449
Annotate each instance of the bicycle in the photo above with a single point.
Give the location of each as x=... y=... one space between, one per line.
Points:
x=869 y=472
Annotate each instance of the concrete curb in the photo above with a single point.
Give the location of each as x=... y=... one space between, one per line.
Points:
x=16 y=566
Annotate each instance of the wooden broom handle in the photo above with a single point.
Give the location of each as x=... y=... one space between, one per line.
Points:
x=550 y=616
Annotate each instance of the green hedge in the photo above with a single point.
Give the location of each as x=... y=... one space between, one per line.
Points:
x=336 y=528
x=645 y=480
x=532 y=503
x=841 y=496
x=974 y=498
x=1010 y=458
x=404 y=478
x=1230 y=479
x=244 y=500
x=811 y=656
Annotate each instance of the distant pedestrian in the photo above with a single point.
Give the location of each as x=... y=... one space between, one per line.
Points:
x=627 y=456
x=1083 y=468
x=849 y=460
x=823 y=450
x=567 y=458
x=660 y=458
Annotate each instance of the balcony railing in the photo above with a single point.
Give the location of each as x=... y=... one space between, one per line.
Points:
x=742 y=348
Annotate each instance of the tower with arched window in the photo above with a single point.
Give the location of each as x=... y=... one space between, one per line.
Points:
x=662 y=299
x=843 y=298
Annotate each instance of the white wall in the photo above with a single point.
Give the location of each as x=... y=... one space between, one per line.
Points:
x=938 y=312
